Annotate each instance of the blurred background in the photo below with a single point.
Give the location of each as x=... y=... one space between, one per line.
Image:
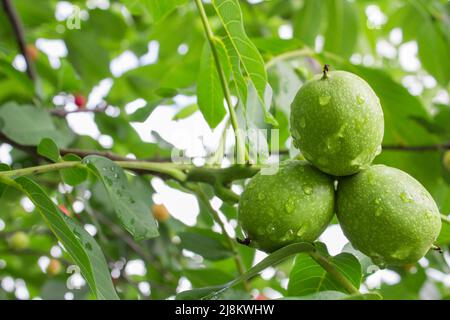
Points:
x=122 y=76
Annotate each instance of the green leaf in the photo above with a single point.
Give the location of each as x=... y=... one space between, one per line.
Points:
x=160 y=9
x=408 y=288
x=367 y=266
x=157 y=9
x=308 y=277
x=73 y=176
x=210 y=94
x=240 y=48
x=83 y=249
x=204 y=277
x=285 y=83
x=271 y=260
x=434 y=51
x=336 y=295
x=28 y=125
x=14 y=85
x=276 y=46
x=48 y=149
x=3 y=167
x=81 y=45
x=206 y=243
x=444 y=235
x=308 y=20
x=342 y=29
x=132 y=212
x=186 y=112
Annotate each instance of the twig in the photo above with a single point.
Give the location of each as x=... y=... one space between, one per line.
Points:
x=419 y=148
x=84 y=153
x=431 y=147
x=62 y=113
x=20 y=36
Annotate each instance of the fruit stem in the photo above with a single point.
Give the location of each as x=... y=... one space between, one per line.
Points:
x=437 y=248
x=326 y=68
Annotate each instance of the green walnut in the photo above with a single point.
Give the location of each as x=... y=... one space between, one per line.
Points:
x=337 y=122
x=388 y=215
x=19 y=241
x=295 y=204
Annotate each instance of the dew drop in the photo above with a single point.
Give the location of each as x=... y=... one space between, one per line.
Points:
x=405 y=197
x=261 y=196
x=301 y=231
x=428 y=214
x=290 y=234
x=270 y=228
x=360 y=99
x=401 y=253
x=290 y=206
x=324 y=100
x=108 y=181
x=307 y=189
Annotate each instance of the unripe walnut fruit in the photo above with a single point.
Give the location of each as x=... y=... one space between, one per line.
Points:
x=293 y=205
x=388 y=215
x=337 y=122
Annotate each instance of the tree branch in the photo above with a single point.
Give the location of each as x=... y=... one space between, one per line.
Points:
x=431 y=147
x=63 y=113
x=405 y=148
x=20 y=36
x=79 y=152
